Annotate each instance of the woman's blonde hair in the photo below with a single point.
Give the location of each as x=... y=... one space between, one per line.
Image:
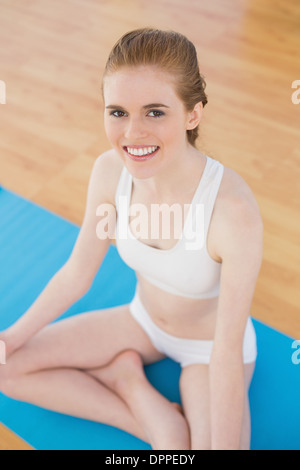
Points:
x=171 y=52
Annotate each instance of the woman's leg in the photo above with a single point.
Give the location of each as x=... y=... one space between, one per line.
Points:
x=194 y=389
x=194 y=392
x=51 y=369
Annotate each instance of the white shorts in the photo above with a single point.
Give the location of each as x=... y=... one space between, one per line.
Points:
x=183 y=350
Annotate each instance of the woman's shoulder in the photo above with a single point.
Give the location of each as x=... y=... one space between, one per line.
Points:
x=236 y=200
x=107 y=170
x=237 y=223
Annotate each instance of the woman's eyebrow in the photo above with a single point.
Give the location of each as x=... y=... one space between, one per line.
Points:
x=114 y=106
x=147 y=106
x=155 y=105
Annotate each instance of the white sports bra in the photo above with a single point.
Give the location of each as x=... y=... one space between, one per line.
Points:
x=187 y=269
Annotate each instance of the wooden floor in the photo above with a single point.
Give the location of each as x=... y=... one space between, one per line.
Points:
x=9 y=441
x=52 y=55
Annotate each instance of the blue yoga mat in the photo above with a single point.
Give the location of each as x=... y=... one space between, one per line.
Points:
x=34 y=244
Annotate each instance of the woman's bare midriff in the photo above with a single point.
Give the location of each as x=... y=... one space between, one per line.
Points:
x=179 y=316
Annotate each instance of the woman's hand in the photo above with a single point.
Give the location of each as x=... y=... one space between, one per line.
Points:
x=10 y=343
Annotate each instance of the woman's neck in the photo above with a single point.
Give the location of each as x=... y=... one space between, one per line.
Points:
x=178 y=178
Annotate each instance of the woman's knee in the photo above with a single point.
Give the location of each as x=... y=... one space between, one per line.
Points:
x=10 y=373
x=200 y=442
x=7 y=380
x=194 y=390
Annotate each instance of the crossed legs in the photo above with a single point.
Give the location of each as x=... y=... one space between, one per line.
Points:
x=92 y=366
x=81 y=366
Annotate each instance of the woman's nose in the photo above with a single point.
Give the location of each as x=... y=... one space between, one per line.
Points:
x=135 y=129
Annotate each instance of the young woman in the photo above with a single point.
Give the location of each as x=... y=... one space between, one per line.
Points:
x=192 y=300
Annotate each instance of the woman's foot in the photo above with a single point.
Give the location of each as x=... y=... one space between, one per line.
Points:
x=162 y=420
x=120 y=369
x=124 y=367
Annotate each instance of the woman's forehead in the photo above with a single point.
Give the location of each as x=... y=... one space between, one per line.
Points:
x=146 y=82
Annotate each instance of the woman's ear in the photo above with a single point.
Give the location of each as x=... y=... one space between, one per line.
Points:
x=194 y=117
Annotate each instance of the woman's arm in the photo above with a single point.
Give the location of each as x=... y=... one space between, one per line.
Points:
x=74 y=279
x=60 y=293
x=240 y=247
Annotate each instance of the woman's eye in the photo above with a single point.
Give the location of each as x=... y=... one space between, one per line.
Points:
x=117 y=113
x=155 y=113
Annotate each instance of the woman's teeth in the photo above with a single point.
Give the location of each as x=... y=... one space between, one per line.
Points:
x=142 y=151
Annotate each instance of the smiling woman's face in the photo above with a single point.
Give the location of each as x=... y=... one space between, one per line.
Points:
x=144 y=119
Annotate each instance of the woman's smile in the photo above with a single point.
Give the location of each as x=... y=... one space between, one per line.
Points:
x=141 y=153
